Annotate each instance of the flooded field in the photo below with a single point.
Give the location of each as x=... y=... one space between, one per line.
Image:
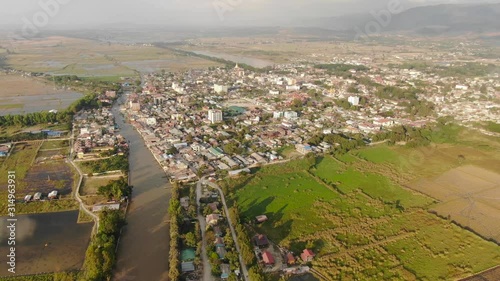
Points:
x=144 y=245
x=240 y=59
x=37 y=103
x=171 y=64
x=49 y=242
x=20 y=95
x=48 y=176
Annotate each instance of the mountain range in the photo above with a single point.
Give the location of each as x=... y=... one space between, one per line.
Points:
x=445 y=19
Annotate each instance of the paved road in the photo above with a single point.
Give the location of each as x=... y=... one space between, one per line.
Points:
x=244 y=269
x=77 y=191
x=207 y=269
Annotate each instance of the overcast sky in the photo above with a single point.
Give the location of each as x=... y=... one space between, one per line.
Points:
x=89 y=13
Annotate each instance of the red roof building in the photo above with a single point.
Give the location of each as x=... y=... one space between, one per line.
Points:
x=290 y=259
x=307 y=255
x=268 y=258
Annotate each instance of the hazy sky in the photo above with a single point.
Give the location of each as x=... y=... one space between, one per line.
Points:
x=188 y=12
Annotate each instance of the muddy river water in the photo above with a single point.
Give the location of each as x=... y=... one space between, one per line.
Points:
x=144 y=244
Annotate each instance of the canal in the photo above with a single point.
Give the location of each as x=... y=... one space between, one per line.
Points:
x=144 y=245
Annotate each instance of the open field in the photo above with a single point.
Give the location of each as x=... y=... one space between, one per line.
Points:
x=489 y=275
x=362 y=224
x=91 y=184
x=88 y=58
x=347 y=179
x=34 y=177
x=470 y=196
x=48 y=176
x=54 y=144
x=283 y=46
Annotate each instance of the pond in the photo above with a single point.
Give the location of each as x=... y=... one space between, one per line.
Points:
x=50 y=242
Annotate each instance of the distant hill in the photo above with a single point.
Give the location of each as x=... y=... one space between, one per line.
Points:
x=428 y=20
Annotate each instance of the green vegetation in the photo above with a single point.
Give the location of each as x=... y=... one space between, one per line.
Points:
x=54 y=144
x=467 y=70
x=359 y=221
x=340 y=68
x=20 y=160
x=101 y=256
x=492 y=127
x=175 y=219
x=11 y=106
x=378 y=154
x=58 y=276
x=113 y=163
x=49 y=206
x=115 y=189
x=347 y=179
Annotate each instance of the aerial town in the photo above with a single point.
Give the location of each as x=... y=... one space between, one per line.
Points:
x=207 y=121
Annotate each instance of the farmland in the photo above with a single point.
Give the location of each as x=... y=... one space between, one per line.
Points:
x=93 y=59
x=25 y=95
x=34 y=175
x=367 y=220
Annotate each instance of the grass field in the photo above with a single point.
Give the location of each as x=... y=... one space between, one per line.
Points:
x=54 y=144
x=364 y=225
x=91 y=184
x=379 y=154
x=347 y=179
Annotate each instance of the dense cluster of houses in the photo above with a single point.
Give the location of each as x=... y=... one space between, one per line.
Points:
x=96 y=132
x=179 y=114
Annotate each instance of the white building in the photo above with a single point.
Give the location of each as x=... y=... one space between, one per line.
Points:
x=176 y=87
x=277 y=114
x=353 y=100
x=274 y=92
x=215 y=116
x=220 y=88
x=151 y=121
x=291 y=115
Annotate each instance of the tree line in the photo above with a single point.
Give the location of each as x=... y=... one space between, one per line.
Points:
x=100 y=257
x=115 y=189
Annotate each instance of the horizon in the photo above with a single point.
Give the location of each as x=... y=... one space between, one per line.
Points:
x=71 y=15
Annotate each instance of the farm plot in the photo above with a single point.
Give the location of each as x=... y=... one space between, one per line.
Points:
x=470 y=196
x=347 y=179
x=489 y=275
x=47 y=176
x=358 y=236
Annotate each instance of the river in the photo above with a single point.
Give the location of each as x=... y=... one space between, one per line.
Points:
x=144 y=246
x=259 y=63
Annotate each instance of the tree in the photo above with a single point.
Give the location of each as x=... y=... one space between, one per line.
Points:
x=255 y=275
x=190 y=240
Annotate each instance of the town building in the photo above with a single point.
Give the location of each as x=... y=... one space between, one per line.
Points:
x=215 y=116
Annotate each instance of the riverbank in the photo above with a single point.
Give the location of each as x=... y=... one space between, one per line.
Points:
x=144 y=244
